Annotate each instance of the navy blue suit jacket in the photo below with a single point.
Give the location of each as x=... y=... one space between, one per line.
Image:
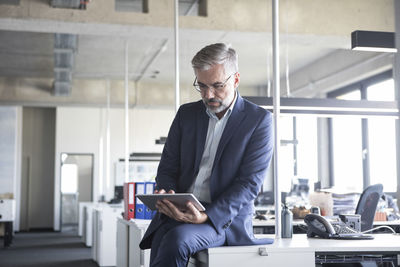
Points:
x=241 y=162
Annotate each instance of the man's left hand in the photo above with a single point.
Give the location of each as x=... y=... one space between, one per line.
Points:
x=190 y=215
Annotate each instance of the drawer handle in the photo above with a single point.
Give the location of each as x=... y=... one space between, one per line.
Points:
x=262 y=252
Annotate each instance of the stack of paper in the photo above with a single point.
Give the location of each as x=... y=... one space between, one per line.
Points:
x=345 y=203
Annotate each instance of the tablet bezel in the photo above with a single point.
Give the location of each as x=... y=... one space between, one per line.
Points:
x=179 y=199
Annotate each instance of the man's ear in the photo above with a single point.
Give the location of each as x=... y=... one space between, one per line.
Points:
x=236 y=80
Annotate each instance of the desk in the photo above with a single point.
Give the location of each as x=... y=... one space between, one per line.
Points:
x=268 y=226
x=7 y=216
x=297 y=251
x=104 y=245
x=86 y=222
x=129 y=234
x=300 y=227
x=82 y=217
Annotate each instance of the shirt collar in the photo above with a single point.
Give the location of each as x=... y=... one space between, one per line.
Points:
x=227 y=113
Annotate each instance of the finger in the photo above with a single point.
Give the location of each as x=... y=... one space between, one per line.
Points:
x=192 y=209
x=161 y=191
x=174 y=211
x=170 y=206
x=192 y=213
x=163 y=208
x=171 y=192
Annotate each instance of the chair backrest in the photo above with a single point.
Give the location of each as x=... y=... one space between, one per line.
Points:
x=367 y=204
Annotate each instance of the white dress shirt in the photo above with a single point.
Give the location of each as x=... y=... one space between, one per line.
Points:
x=201 y=185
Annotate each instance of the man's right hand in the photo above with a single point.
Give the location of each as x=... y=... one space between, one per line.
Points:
x=162 y=191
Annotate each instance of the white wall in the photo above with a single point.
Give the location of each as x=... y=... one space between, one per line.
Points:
x=84 y=130
x=8 y=149
x=77 y=131
x=10 y=154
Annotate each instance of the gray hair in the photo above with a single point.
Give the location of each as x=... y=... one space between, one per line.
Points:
x=214 y=54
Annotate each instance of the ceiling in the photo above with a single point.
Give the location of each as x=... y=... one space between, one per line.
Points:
x=30 y=54
x=27 y=44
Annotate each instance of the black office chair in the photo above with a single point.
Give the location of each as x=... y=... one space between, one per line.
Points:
x=367 y=204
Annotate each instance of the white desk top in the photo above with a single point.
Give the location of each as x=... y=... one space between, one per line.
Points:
x=300 y=243
x=271 y=222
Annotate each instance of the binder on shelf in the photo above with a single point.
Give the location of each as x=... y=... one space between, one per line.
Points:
x=129 y=200
x=149 y=214
x=139 y=206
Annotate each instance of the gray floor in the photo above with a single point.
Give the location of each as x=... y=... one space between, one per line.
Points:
x=45 y=249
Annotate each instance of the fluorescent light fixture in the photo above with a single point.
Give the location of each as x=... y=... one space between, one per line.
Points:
x=327 y=107
x=373 y=41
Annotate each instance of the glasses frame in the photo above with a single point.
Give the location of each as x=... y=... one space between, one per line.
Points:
x=219 y=89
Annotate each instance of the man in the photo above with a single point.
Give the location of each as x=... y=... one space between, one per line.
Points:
x=219 y=149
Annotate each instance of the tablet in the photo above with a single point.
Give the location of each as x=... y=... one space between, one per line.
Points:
x=179 y=199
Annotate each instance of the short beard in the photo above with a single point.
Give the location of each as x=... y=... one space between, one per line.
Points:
x=215 y=110
x=223 y=106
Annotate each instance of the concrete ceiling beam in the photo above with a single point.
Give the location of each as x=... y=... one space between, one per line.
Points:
x=323 y=17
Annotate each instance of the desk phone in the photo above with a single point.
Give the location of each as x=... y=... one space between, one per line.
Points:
x=319 y=226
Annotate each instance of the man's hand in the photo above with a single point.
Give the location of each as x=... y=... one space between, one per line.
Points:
x=162 y=191
x=190 y=215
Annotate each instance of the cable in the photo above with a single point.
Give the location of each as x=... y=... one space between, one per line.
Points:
x=379 y=227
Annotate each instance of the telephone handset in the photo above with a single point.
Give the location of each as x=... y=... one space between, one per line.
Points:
x=318 y=226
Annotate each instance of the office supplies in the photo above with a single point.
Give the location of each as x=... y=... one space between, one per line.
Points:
x=179 y=199
x=139 y=206
x=148 y=213
x=129 y=200
x=319 y=226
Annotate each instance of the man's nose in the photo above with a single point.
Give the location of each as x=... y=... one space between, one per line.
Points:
x=209 y=93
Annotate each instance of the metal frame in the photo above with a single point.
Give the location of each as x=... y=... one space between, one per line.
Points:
x=330 y=107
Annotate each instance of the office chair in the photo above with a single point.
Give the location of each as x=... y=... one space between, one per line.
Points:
x=367 y=204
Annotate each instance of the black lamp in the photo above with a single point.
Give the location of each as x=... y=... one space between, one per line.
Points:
x=373 y=41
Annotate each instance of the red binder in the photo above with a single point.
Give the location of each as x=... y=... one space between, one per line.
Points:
x=129 y=200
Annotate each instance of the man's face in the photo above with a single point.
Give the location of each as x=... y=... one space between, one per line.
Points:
x=218 y=87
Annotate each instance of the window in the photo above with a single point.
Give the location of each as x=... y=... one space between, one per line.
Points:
x=382 y=140
x=307 y=152
x=69 y=181
x=140 y=6
x=383 y=91
x=298 y=151
x=347 y=154
x=347 y=148
x=286 y=167
x=192 y=7
x=10 y=2
x=364 y=149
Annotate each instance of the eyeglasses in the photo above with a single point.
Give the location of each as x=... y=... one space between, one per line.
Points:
x=218 y=86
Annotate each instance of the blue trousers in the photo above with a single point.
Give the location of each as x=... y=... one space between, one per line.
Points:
x=174 y=242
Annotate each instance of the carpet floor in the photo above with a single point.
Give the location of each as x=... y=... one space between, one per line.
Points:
x=46 y=249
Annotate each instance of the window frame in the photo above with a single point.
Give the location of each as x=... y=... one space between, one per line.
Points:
x=362 y=86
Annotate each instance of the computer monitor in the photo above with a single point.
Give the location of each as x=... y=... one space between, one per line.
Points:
x=268 y=198
x=119 y=192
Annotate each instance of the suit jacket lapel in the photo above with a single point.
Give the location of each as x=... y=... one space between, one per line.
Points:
x=201 y=134
x=233 y=123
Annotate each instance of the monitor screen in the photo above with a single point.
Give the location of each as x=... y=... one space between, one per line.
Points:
x=119 y=192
